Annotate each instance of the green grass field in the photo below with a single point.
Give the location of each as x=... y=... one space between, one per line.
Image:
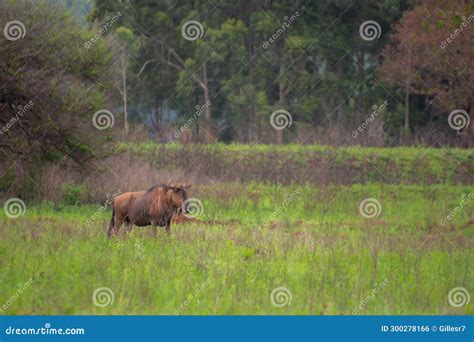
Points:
x=315 y=164
x=250 y=240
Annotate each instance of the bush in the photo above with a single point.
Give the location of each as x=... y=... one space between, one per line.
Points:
x=73 y=194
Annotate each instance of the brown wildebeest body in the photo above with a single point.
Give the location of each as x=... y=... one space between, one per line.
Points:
x=155 y=207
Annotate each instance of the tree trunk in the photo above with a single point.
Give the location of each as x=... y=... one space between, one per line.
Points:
x=407 y=106
x=196 y=137
x=470 y=128
x=124 y=94
x=208 y=131
x=254 y=119
x=207 y=98
x=158 y=117
x=360 y=98
x=281 y=96
x=168 y=116
x=406 y=132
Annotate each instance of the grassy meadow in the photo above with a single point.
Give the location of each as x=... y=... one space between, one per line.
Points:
x=251 y=239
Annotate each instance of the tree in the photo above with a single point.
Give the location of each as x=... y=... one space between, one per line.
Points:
x=52 y=66
x=316 y=65
x=430 y=54
x=123 y=42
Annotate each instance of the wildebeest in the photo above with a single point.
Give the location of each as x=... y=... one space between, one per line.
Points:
x=154 y=207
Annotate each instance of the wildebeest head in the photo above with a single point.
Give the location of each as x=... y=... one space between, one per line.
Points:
x=178 y=193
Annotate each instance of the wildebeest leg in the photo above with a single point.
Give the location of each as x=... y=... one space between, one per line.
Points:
x=154 y=229
x=127 y=227
x=168 y=226
x=117 y=225
x=111 y=225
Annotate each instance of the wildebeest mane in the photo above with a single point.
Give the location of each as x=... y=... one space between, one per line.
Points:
x=151 y=189
x=157 y=205
x=153 y=202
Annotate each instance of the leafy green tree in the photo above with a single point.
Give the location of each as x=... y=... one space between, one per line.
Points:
x=51 y=79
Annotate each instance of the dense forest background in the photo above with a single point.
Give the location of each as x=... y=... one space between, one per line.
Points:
x=370 y=73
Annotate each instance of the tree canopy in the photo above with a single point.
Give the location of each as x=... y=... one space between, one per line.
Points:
x=50 y=85
x=329 y=66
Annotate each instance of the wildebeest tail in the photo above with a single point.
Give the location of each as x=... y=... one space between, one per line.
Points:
x=111 y=224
